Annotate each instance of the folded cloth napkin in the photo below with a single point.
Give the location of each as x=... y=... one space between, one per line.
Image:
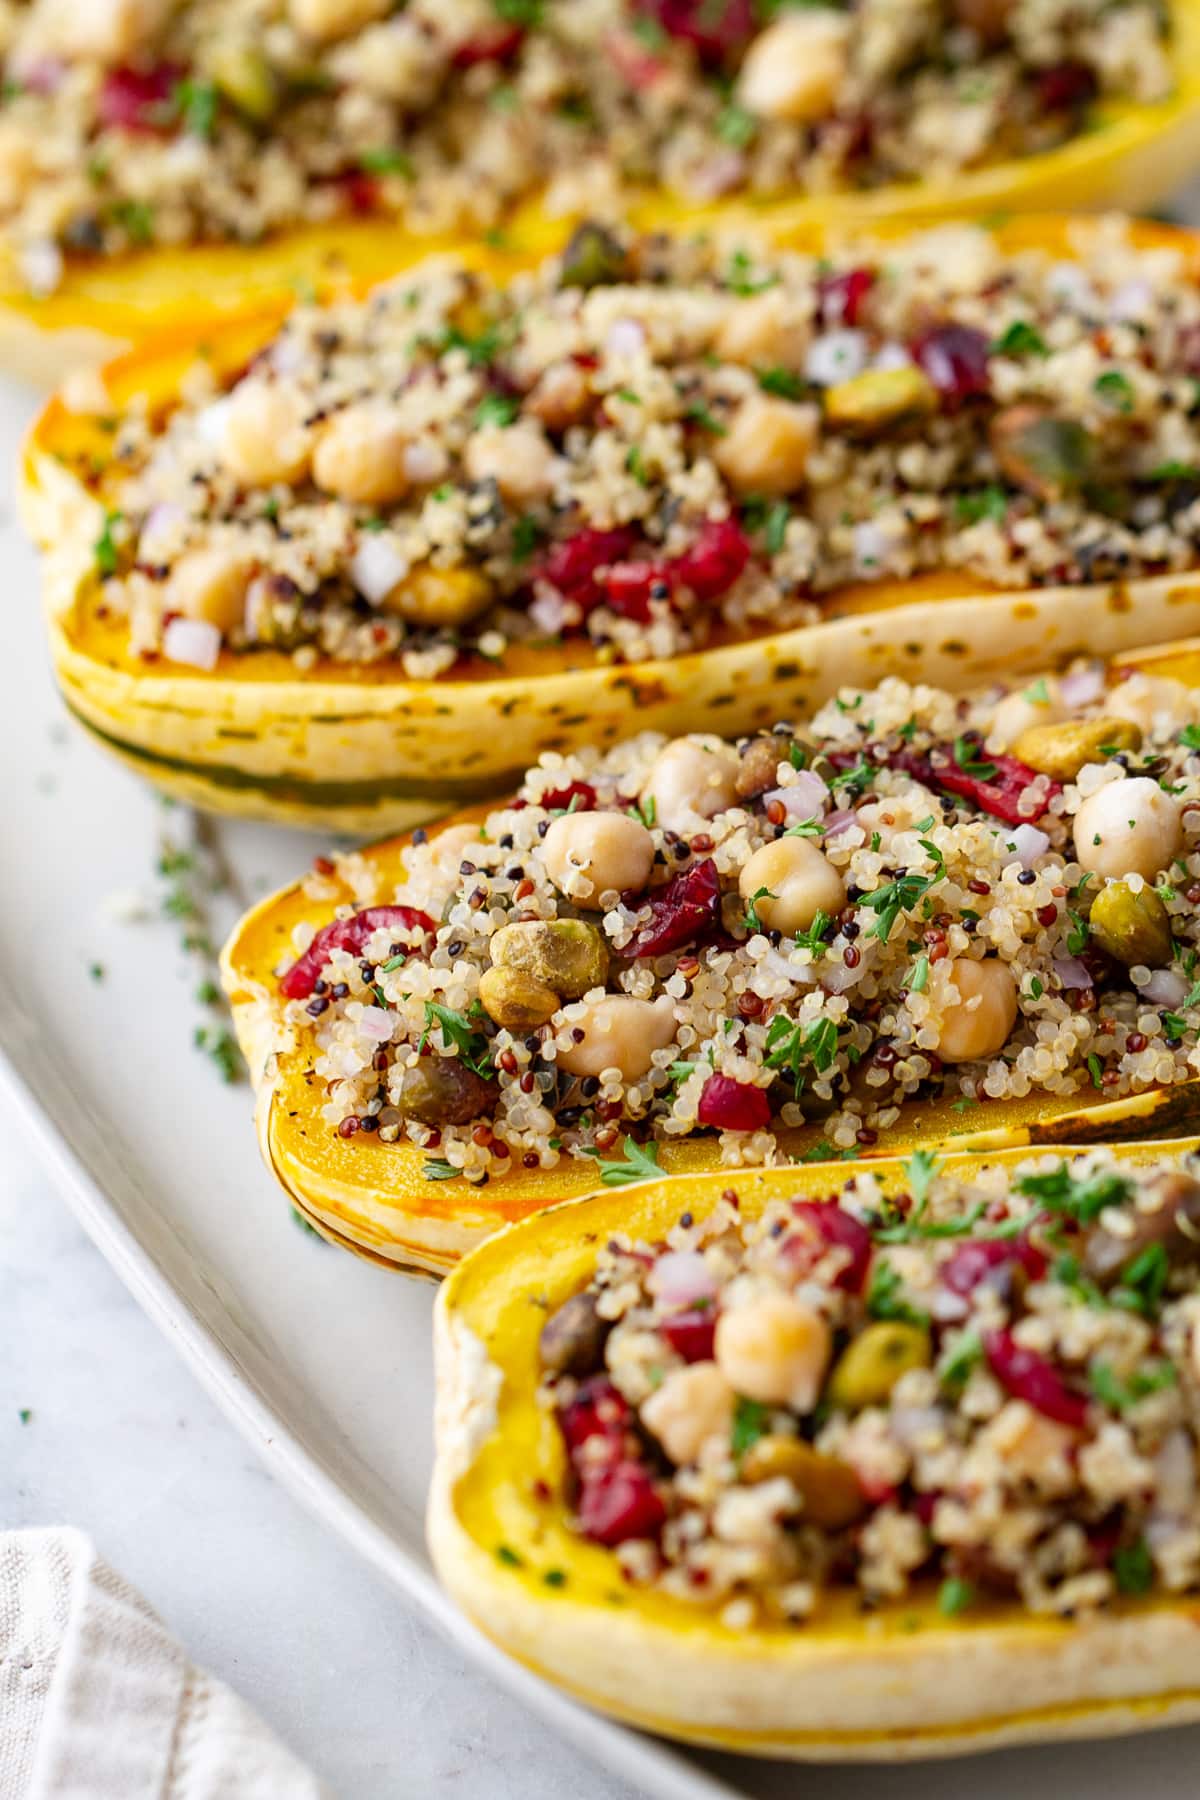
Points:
x=98 y=1701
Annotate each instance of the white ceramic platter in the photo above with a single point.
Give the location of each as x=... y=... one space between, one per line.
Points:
x=321 y=1360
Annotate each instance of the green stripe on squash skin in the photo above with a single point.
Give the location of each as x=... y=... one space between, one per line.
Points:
x=429 y=799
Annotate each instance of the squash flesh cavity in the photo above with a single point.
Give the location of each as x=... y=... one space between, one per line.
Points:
x=362 y=749
x=1130 y=158
x=901 y=1681
x=375 y=1198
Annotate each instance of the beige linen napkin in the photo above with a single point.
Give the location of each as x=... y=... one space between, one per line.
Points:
x=98 y=1702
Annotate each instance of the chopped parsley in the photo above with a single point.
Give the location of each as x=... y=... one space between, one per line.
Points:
x=105 y=554
x=457 y=1029
x=783 y=382
x=969 y=761
x=749 y=1424
x=1082 y=1199
x=983 y=503
x=752 y=920
x=436 y=1168
x=638 y=1162
x=1020 y=339
x=954 y=1596
x=884 y=1298
x=1115 y=389
x=801 y=1048
x=496 y=409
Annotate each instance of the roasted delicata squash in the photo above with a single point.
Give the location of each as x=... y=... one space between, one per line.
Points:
x=905 y=918
x=160 y=164
x=861 y=1461
x=359 y=566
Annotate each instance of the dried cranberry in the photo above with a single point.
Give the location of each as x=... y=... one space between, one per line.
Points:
x=1065 y=87
x=140 y=99
x=494 y=43
x=598 y=1410
x=955 y=358
x=572 y=565
x=580 y=796
x=629 y=587
x=973 y=1262
x=633 y=62
x=841 y=297
x=730 y=1105
x=298 y=982
x=998 y=794
x=716 y=29
x=691 y=1334
x=689 y=905
x=716 y=559
x=1029 y=1377
x=358 y=192
x=620 y=1502
x=819 y=1226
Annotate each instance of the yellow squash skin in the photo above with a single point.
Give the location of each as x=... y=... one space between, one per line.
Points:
x=1131 y=158
x=365 y=749
x=374 y=1199
x=900 y=1682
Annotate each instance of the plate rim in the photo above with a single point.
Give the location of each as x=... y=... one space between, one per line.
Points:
x=656 y=1767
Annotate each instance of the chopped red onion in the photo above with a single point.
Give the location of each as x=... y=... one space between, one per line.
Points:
x=1072 y=973
x=377 y=567
x=1024 y=844
x=836 y=356
x=1081 y=686
x=804 y=798
x=377 y=1023
x=192 y=641
x=1164 y=988
x=625 y=337
x=680 y=1278
x=840 y=821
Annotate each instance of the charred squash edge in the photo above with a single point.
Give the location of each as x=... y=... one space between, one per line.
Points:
x=1131 y=157
x=902 y=1682
x=366 y=750
x=373 y=1198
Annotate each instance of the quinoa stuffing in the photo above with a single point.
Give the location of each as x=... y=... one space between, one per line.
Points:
x=649 y=446
x=910 y=896
x=983 y=1387
x=128 y=124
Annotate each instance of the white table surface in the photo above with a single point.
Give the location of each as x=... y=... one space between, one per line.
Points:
x=122 y=1442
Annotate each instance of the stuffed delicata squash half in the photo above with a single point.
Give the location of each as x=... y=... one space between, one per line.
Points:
x=848 y=1462
x=162 y=163
x=908 y=917
x=354 y=568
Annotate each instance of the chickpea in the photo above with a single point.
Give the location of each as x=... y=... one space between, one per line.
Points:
x=775 y=1350
x=1017 y=712
x=265 y=437
x=210 y=585
x=619 y=1033
x=517 y=457
x=980 y=1024
x=324 y=20
x=561 y=397
x=692 y=777
x=767 y=446
x=800 y=883
x=360 y=456
x=692 y=1405
x=107 y=31
x=765 y=329
x=429 y=595
x=1128 y=827
x=590 y=854
x=794 y=69
x=1147 y=699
